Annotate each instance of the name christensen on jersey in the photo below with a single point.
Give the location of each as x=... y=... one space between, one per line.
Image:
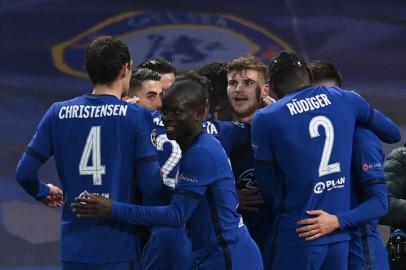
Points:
x=308 y=104
x=84 y=111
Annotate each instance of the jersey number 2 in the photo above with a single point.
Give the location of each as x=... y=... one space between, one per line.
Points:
x=324 y=167
x=172 y=160
x=92 y=151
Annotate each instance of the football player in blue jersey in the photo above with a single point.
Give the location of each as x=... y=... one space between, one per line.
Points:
x=302 y=150
x=164 y=68
x=99 y=143
x=220 y=107
x=368 y=192
x=167 y=247
x=247 y=87
x=146 y=89
x=204 y=199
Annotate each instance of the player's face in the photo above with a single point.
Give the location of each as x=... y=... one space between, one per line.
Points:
x=150 y=95
x=167 y=79
x=177 y=120
x=244 y=91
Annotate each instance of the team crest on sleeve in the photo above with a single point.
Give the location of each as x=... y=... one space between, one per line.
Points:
x=187 y=40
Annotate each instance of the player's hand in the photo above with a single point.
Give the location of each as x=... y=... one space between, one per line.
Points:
x=92 y=206
x=318 y=226
x=249 y=199
x=133 y=100
x=54 y=198
x=266 y=101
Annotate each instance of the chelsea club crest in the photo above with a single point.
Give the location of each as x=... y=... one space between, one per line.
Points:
x=188 y=41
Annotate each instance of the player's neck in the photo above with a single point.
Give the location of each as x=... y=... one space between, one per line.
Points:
x=188 y=141
x=113 y=89
x=245 y=119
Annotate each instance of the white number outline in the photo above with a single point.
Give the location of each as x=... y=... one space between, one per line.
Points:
x=324 y=168
x=172 y=160
x=93 y=148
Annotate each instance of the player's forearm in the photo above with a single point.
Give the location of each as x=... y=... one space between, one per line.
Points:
x=384 y=128
x=173 y=215
x=373 y=207
x=26 y=175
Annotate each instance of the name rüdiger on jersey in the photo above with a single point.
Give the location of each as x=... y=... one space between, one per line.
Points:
x=308 y=104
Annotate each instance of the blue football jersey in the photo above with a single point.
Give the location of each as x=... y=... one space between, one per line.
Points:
x=233 y=136
x=214 y=181
x=169 y=151
x=307 y=136
x=204 y=198
x=97 y=142
x=366 y=245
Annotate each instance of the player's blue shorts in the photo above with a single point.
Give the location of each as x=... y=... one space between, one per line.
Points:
x=168 y=248
x=318 y=257
x=368 y=253
x=100 y=266
x=244 y=255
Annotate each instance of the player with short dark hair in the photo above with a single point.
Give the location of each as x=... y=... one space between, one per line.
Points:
x=146 y=88
x=368 y=189
x=220 y=106
x=302 y=150
x=163 y=67
x=204 y=198
x=164 y=247
x=325 y=73
x=99 y=143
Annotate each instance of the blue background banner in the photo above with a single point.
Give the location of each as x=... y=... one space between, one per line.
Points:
x=42 y=50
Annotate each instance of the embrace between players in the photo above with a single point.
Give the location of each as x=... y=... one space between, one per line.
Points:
x=251 y=193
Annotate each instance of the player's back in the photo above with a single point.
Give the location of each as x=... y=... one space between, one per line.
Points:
x=311 y=133
x=94 y=143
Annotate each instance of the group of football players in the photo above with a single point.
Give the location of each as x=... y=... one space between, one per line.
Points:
x=222 y=175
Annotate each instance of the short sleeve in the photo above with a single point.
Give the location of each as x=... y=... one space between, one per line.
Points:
x=40 y=146
x=368 y=157
x=261 y=138
x=197 y=171
x=145 y=150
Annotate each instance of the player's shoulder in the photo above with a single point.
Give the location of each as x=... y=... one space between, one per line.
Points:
x=205 y=144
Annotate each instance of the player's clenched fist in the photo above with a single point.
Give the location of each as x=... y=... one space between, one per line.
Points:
x=54 y=198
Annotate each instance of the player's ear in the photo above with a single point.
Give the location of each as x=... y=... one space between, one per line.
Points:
x=265 y=90
x=125 y=69
x=200 y=113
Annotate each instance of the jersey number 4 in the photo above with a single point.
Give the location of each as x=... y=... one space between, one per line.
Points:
x=92 y=151
x=324 y=167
